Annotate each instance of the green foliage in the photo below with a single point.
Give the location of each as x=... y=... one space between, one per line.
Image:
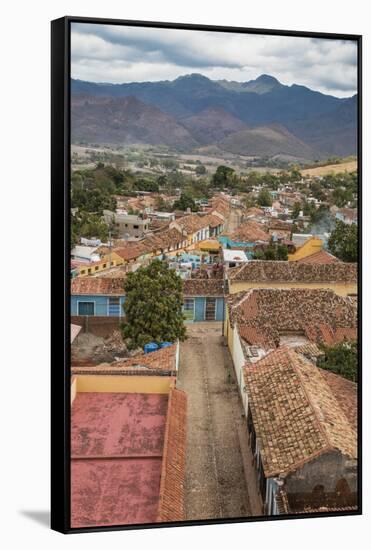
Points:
x=274 y=252
x=341 y=197
x=264 y=198
x=153 y=306
x=86 y=224
x=185 y=201
x=223 y=177
x=200 y=170
x=341 y=359
x=147 y=185
x=343 y=242
x=92 y=200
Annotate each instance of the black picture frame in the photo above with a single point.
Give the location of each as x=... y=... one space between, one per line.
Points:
x=60 y=267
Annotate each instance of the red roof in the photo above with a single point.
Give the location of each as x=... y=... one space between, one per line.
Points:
x=127 y=458
x=320 y=257
x=116 y=451
x=98 y=285
x=171 y=507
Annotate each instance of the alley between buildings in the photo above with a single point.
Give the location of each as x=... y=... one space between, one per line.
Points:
x=215 y=485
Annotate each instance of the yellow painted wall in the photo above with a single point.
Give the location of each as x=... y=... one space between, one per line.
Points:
x=341 y=289
x=228 y=332
x=98 y=267
x=124 y=384
x=311 y=246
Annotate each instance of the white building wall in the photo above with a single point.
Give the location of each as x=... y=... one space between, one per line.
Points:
x=238 y=362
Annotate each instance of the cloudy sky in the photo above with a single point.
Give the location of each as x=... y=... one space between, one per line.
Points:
x=110 y=53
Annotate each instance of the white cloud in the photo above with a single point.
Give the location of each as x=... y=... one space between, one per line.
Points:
x=110 y=53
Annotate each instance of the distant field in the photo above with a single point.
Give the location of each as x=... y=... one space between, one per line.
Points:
x=350 y=166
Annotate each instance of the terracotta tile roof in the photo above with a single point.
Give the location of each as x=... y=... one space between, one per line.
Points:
x=321 y=257
x=203 y=287
x=279 y=224
x=254 y=211
x=330 y=336
x=281 y=271
x=212 y=221
x=162 y=361
x=221 y=205
x=164 y=239
x=295 y=414
x=284 y=506
x=320 y=315
x=250 y=231
x=100 y=285
x=128 y=253
x=310 y=350
x=253 y=336
x=192 y=223
x=171 y=505
x=346 y=394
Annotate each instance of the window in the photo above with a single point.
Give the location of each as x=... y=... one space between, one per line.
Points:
x=85 y=308
x=114 y=306
x=96 y=267
x=136 y=226
x=210 y=309
x=89 y=270
x=104 y=266
x=189 y=309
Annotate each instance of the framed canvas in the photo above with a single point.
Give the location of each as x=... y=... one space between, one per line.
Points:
x=206 y=199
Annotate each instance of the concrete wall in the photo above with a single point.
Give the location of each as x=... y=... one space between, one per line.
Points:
x=100 y=326
x=326 y=471
x=341 y=289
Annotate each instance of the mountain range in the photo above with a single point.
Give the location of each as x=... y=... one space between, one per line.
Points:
x=261 y=117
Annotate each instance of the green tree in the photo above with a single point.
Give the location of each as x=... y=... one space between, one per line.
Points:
x=273 y=252
x=153 y=306
x=343 y=242
x=185 y=201
x=341 y=359
x=223 y=177
x=264 y=198
x=200 y=169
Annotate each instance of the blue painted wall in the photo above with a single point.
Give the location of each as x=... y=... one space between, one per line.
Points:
x=226 y=242
x=199 y=309
x=100 y=304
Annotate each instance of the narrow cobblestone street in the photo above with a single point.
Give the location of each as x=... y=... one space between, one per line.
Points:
x=215 y=477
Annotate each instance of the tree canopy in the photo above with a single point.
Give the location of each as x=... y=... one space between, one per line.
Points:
x=341 y=359
x=185 y=201
x=153 y=306
x=343 y=242
x=274 y=251
x=264 y=198
x=223 y=177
